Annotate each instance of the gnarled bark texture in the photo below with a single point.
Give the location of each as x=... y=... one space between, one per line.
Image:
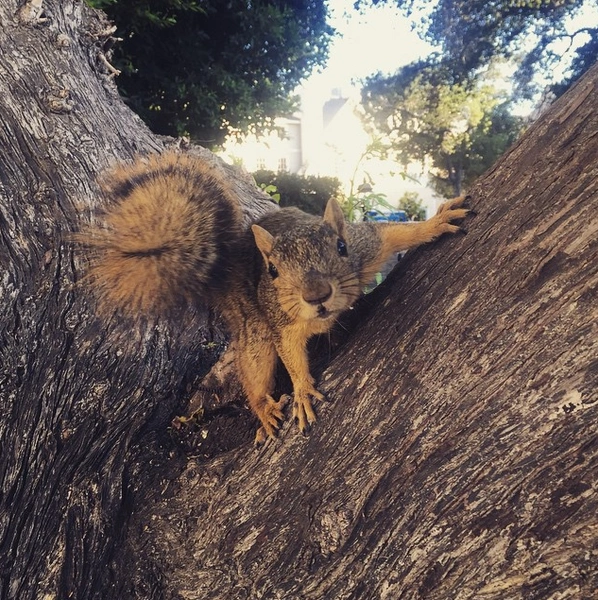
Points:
x=457 y=456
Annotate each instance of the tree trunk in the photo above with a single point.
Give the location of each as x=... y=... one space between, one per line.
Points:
x=456 y=457
x=84 y=406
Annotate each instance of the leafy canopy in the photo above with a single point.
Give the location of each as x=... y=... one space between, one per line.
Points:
x=442 y=111
x=470 y=33
x=211 y=67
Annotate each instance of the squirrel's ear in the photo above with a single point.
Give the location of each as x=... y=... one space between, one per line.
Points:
x=263 y=240
x=334 y=217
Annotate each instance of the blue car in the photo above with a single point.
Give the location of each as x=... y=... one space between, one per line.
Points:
x=394 y=216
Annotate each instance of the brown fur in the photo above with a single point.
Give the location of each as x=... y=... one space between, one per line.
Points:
x=173 y=233
x=160 y=246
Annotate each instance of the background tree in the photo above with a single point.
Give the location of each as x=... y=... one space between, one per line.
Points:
x=206 y=69
x=455 y=130
x=469 y=34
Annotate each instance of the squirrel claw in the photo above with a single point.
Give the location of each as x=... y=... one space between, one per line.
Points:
x=260 y=436
x=303 y=412
x=457 y=208
x=270 y=414
x=455 y=203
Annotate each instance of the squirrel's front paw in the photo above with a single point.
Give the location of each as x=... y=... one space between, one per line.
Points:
x=451 y=211
x=302 y=408
x=270 y=414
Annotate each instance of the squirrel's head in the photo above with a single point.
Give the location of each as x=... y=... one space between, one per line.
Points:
x=310 y=266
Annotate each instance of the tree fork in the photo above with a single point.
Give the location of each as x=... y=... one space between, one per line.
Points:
x=456 y=457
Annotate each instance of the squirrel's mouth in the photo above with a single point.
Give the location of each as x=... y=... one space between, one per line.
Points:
x=323 y=312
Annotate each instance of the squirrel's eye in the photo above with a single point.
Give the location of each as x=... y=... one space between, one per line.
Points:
x=272 y=270
x=341 y=247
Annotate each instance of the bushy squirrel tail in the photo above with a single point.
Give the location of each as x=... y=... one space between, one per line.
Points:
x=166 y=238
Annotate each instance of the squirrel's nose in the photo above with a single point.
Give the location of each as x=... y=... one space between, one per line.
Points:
x=317 y=289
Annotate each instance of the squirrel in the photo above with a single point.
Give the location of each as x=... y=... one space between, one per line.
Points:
x=173 y=234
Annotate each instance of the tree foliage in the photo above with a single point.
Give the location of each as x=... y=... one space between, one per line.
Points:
x=309 y=193
x=441 y=110
x=456 y=130
x=470 y=33
x=208 y=68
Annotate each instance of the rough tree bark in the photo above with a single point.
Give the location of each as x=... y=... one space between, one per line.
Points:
x=456 y=457
x=83 y=407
